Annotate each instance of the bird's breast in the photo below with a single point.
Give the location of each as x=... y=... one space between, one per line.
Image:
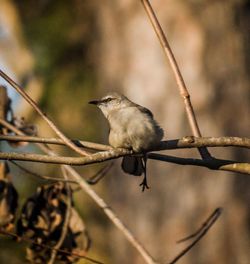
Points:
x=132 y=129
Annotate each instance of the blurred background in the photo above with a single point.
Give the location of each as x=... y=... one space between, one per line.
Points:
x=65 y=53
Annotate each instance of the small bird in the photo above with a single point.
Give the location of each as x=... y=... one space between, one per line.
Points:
x=131 y=127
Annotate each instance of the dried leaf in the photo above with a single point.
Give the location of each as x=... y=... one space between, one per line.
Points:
x=28 y=129
x=44 y=215
x=8 y=199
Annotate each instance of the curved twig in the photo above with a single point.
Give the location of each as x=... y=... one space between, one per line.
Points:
x=199 y=234
x=43 y=115
x=178 y=77
x=214 y=164
x=186 y=142
x=26 y=239
x=99 y=201
x=66 y=220
x=42 y=177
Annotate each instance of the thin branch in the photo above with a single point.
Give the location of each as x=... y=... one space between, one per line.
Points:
x=100 y=174
x=199 y=234
x=55 y=141
x=66 y=220
x=17 y=131
x=94 y=158
x=179 y=79
x=214 y=164
x=217 y=212
x=42 y=177
x=186 y=142
x=112 y=216
x=26 y=239
x=196 y=142
x=67 y=141
x=101 y=203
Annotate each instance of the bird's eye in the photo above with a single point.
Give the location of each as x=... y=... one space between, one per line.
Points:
x=108 y=100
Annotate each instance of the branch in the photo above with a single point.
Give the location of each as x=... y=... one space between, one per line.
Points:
x=53 y=141
x=179 y=79
x=77 y=161
x=213 y=163
x=199 y=234
x=186 y=142
x=39 y=111
x=42 y=177
x=196 y=142
x=66 y=220
x=26 y=239
x=99 y=201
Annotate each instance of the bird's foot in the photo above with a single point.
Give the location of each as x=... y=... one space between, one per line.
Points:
x=144 y=184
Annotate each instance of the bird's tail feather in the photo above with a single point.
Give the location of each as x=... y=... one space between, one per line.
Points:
x=132 y=165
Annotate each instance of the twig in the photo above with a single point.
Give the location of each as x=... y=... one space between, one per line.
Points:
x=101 y=203
x=217 y=212
x=42 y=177
x=17 y=131
x=186 y=142
x=56 y=141
x=43 y=115
x=112 y=216
x=199 y=234
x=100 y=174
x=214 y=164
x=179 y=79
x=66 y=220
x=26 y=239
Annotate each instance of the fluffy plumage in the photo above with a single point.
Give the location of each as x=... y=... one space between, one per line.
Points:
x=131 y=126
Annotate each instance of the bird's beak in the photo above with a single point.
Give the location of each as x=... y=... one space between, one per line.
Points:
x=94 y=102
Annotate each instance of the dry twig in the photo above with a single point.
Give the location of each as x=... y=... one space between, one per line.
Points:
x=213 y=163
x=186 y=142
x=42 y=177
x=179 y=79
x=199 y=234
x=26 y=239
x=98 y=200
x=66 y=220
x=43 y=115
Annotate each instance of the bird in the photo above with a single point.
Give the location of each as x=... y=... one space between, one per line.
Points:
x=132 y=127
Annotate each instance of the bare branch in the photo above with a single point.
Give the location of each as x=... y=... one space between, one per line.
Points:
x=4 y=101
x=186 y=142
x=26 y=239
x=94 y=158
x=100 y=174
x=42 y=177
x=112 y=216
x=66 y=220
x=199 y=234
x=196 y=142
x=67 y=141
x=99 y=201
x=213 y=163
x=179 y=79
x=55 y=141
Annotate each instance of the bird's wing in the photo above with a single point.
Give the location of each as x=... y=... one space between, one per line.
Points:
x=144 y=110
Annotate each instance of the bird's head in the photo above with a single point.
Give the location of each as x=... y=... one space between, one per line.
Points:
x=111 y=102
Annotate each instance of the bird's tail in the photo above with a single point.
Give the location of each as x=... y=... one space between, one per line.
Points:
x=132 y=165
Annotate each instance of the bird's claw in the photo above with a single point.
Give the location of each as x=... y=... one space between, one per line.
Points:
x=144 y=184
